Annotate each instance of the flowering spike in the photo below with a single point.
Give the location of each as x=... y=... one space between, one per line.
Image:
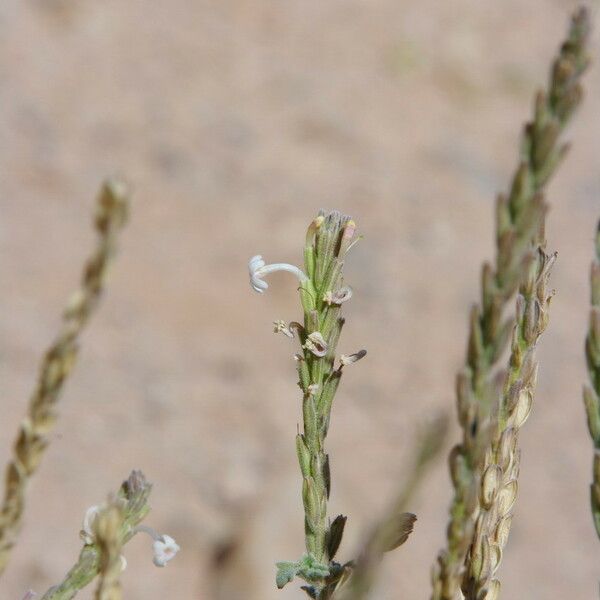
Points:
x=322 y=295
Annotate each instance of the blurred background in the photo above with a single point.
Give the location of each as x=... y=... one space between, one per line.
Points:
x=234 y=122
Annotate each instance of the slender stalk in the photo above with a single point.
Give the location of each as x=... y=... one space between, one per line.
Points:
x=56 y=365
x=519 y=218
x=395 y=525
x=108 y=528
x=324 y=256
x=591 y=391
x=134 y=492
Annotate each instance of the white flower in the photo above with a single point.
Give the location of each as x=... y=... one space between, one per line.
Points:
x=87 y=532
x=257 y=269
x=165 y=548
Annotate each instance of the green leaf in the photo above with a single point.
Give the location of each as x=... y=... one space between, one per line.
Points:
x=334 y=535
x=286 y=571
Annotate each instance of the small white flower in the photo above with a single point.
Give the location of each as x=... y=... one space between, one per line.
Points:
x=165 y=548
x=87 y=532
x=123 y=563
x=257 y=269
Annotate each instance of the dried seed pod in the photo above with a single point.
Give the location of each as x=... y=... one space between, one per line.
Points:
x=522 y=409
x=506 y=498
x=490 y=483
x=503 y=530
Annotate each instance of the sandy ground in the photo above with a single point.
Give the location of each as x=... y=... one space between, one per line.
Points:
x=235 y=121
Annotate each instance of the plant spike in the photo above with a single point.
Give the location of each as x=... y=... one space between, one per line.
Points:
x=322 y=293
x=498 y=484
x=519 y=219
x=591 y=391
x=59 y=360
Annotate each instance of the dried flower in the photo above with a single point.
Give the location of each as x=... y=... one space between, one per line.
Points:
x=348 y=359
x=316 y=344
x=339 y=297
x=281 y=327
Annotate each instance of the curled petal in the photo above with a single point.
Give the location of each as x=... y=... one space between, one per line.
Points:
x=258 y=269
x=348 y=359
x=254 y=265
x=339 y=297
x=316 y=344
x=295 y=326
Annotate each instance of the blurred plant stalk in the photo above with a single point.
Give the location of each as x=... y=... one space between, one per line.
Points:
x=395 y=525
x=57 y=364
x=591 y=391
x=108 y=534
